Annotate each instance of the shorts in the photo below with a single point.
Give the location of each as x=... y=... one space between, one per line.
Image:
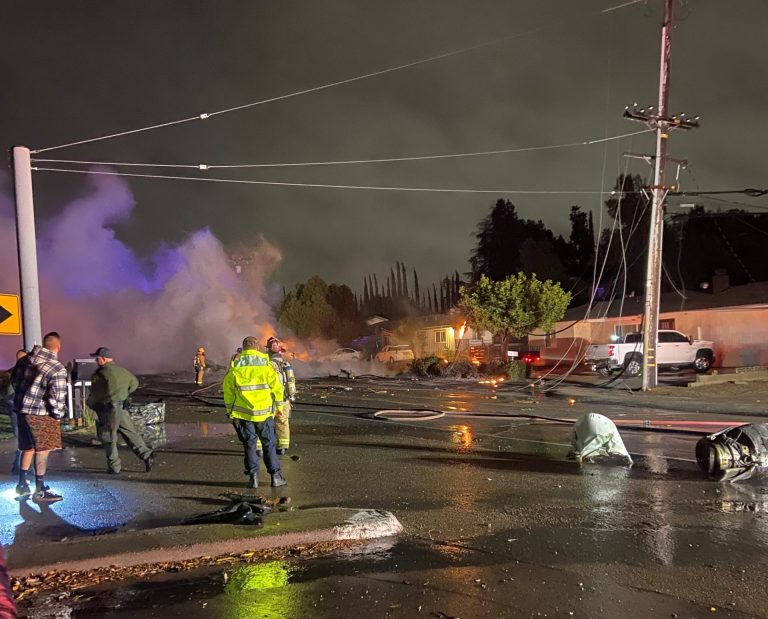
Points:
x=39 y=432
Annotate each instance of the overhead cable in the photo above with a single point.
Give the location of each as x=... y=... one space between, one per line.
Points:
x=205 y=166
x=749 y=191
x=206 y=115
x=321 y=185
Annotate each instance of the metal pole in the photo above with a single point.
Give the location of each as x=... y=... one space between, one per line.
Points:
x=27 y=247
x=653 y=271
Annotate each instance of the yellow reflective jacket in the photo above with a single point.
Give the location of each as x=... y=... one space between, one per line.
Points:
x=251 y=387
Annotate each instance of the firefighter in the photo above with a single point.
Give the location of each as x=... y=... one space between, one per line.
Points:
x=253 y=394
x=285 y=372
x=199 y=365
x=236 y=356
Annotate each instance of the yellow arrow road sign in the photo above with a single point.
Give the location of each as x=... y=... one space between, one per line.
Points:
x=10 y=315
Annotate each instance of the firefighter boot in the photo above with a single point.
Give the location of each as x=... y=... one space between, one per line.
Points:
x=278 y=480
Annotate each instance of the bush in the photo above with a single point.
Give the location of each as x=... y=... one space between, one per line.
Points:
x=518 y=370
x=427 y=366
x=463 y=368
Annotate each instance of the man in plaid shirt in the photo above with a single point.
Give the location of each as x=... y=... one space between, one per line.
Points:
x=40 y=385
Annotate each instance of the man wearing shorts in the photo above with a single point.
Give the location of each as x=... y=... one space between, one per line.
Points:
x=40 y=385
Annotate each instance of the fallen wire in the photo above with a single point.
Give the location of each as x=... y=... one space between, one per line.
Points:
x=424 y=414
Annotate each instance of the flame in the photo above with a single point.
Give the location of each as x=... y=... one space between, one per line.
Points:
x=462 y=328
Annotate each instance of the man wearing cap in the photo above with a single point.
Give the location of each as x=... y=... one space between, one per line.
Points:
x=252 y=393
x=110 y=387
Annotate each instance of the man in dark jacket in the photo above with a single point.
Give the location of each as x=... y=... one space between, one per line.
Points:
x=110 y=387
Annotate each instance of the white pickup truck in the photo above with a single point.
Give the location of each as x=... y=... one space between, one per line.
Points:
x=674 y=349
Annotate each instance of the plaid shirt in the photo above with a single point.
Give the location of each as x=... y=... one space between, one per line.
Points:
x=40 y=383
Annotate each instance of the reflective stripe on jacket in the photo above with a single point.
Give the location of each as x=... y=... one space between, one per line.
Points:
x=251 y=387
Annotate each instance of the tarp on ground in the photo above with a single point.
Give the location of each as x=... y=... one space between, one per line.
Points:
x=149 y=420
x=595 y=438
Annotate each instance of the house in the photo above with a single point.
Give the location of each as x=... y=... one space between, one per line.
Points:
x=735 y=318
x=441 y=335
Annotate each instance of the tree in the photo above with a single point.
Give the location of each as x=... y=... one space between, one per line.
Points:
x=515 y=306
x=581 y=243
x=500 y=238
x=627 y=247
x=305 y=310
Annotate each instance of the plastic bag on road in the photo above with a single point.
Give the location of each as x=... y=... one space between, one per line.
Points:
x=595 y=438
x=242 y=509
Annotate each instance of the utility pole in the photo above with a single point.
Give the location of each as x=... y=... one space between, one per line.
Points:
x=27 y=247
x=662 y=124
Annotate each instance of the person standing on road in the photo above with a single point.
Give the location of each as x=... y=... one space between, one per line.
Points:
x=40 y=386
x=6 y=404
x=252 y=394
x=111 y=386
x=236 y=356
x=282 y=416
x=199 y=365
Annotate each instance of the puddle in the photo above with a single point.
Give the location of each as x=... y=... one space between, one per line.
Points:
x=179 y=431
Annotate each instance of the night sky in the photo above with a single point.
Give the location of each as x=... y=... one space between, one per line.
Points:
x=74 y=70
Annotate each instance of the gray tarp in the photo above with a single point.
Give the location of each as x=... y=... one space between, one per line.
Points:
x=149 y=420
x=595 y=438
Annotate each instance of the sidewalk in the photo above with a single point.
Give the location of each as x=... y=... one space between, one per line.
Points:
x=135 y=517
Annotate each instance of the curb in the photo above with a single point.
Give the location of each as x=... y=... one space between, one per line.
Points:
x=182 y=543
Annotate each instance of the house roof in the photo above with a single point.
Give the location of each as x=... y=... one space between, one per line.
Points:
x=754 y=294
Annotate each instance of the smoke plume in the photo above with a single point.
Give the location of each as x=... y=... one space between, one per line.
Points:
x=153 y=313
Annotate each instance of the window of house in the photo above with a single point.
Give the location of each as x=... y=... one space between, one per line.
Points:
x=667 y=323
x=440 y=336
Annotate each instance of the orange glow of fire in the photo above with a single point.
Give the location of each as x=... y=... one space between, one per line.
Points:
x=492 y=381
x=462 y=435
x=462 y=329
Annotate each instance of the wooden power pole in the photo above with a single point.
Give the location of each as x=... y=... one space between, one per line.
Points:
x=658 y=120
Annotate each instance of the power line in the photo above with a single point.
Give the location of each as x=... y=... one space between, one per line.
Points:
x=749 y=191
x=203 y=166
x=206 y=115
x=621 y=6
x=733 y=202
x=321 y=185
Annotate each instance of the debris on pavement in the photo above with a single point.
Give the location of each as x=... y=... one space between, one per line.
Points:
x=150 y=421
x=734 y=454
x=242 y=509
x=29 y=590
x=595 y=438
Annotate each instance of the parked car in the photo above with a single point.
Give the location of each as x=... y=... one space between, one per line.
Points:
x=342 y=354
x=674 y=349
x=394 y=353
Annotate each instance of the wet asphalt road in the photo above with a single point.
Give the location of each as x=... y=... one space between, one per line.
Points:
x=497 y=522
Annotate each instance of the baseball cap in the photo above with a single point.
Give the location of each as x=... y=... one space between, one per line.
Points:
x=102 y=351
